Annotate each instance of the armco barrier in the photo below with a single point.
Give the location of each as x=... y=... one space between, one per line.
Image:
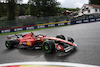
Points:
x=86 y=21
x=49 y=25
x=36 y=27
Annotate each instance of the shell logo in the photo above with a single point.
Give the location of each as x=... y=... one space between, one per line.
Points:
x=28 y=43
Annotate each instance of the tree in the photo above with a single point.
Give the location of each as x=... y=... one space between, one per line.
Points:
x=43 y=7
x=21 y=11
x=49 y=7
x=3 y=9
x=35 y=7
x=0 y=9
x=97 y=2
x=12 y=8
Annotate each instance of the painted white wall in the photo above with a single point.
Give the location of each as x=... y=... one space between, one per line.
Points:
x=92 y=10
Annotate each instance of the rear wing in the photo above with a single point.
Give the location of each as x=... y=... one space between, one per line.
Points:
x=15 y=36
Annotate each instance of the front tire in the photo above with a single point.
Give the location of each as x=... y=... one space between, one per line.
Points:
x=70 y=39
x=49 y=46
x=61 y=37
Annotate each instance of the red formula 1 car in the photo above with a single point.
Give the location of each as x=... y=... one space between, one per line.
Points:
x=49 y=44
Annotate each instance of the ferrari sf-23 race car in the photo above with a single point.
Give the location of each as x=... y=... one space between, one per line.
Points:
x=48 y=44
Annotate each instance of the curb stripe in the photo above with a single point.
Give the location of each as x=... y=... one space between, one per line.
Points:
x=11 y=66
x=61 y=64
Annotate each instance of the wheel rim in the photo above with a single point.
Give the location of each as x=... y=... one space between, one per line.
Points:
x=7 y=44
x=46 y=47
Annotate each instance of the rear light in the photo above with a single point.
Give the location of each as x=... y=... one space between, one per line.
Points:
x=8 y=37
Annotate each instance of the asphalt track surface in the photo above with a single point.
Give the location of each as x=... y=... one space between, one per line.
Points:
x=86 y=36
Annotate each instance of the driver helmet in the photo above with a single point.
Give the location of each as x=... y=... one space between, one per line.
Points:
x=32 y=33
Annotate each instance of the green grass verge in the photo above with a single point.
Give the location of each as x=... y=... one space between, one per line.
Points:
x=29 y=30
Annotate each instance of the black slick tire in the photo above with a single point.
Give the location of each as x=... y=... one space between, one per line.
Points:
x=9 y=44
x=61 y=37
x=49 y=46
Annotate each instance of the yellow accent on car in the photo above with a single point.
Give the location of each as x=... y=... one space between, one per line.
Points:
x=42 y=39
x=28 y=43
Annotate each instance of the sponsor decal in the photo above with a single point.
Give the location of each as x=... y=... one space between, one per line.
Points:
x=43 y=26
x=98 y=19
x=69 y=23
x=18 y=29
x=85 y=20
x=29 y=43
x=61 y=24
x=92 y=20
x=29 y=28
x=78 y=21
x=5 y=31
x=51 y=25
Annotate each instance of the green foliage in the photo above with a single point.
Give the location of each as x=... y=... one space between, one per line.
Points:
x=14 y=9
x=97 y=2
x=60 y=10
x=73 y=9
x=3 y=9
x=21 y=11
x=38 y=8
x=11 y=9
x=17 y=10
x=43 y=7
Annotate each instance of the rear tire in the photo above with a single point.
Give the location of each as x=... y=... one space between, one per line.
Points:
x=61 y=37
x=49 y=46
x=10 y=44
